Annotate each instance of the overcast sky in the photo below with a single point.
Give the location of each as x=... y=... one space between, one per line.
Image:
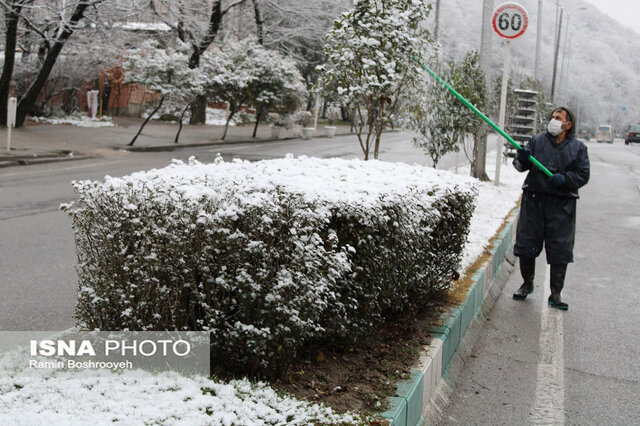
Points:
x=624 y=11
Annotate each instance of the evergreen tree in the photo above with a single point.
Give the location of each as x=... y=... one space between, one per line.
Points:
x=370 y=66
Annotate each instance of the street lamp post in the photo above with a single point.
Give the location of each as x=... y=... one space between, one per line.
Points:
x=538 y=39
x=561 y=86
x=555 y=59
x=485 y=36
x=564 y=68
x=437 y=27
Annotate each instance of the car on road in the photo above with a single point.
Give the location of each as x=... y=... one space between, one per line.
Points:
x=633 y=134
x=604 y=133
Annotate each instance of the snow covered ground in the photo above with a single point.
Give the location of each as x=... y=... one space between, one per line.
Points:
x=218 y=117
x=215 y=117
x=29 y=397
x=82 y=398
x=76 y=120
x=494 y=204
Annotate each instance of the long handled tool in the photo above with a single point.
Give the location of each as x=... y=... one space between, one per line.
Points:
x=481 y=115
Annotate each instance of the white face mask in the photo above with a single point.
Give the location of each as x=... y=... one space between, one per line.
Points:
x=554 y=127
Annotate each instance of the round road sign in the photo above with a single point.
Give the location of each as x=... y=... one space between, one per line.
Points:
x=510 y=20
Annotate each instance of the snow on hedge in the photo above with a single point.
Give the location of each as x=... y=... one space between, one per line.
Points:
x=270 y=256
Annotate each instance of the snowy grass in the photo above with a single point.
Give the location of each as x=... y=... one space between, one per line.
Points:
x=48 y=397
x=60 y=398
x=78 y=120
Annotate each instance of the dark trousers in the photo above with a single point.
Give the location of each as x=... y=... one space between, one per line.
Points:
x=549 y=220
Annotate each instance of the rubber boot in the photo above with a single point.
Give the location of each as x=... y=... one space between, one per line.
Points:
x=558 y=273
x=528 y=272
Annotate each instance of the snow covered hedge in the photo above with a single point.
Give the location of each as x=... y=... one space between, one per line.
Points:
x=270 y=256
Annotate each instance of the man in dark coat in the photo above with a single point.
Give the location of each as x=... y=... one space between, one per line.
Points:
x=548 y=208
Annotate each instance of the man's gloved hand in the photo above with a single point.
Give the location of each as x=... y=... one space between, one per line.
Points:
x=557 y=180
x=522 y=155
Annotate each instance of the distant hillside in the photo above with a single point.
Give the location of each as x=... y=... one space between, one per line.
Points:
x=600 y=69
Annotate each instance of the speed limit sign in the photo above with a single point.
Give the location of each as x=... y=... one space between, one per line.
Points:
x=510 y=20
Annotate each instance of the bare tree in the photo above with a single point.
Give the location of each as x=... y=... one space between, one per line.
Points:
x=165 y=71
x=185 y=17
x=54 y=37
x=12 y=11
x=45 y=27
x=297 y=28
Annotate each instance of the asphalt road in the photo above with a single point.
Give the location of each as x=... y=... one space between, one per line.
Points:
x=536 y=365
x=37 y=253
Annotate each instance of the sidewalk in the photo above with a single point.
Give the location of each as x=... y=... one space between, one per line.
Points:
x=38 y=143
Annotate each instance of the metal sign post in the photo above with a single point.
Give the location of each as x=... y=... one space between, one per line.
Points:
x=503 y=105
x=315 y=115
x=11 y=120
x=510 y=21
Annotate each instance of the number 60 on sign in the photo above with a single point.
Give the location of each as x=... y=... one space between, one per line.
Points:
x=510 y=20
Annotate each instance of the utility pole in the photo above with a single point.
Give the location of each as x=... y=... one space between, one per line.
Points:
x=555 y=59
x=485 y=36
x=435 y=31
x=538 y=41
x=565 y=58
x=555 y=29
x=485 y=56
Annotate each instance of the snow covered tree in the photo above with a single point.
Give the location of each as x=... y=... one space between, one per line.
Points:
x=165 y=71
x=12 y=14
x=227 y=78
x=469 y=80
x=185 y=17
x=370 y=64
x=247 y=73
x=433 y=120
x=54 y=24
x=443 y=121
x=276 y=84
x=62 y=44
x=296 y=28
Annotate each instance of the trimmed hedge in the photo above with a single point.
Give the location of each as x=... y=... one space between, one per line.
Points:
x=272 y=256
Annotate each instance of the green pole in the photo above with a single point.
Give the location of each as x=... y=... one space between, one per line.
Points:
x=481 y=115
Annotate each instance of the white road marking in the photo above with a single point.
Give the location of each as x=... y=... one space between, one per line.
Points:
x=549 y=408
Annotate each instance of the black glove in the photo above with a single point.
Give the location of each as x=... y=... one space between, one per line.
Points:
x=522 y=155
x=557 y=180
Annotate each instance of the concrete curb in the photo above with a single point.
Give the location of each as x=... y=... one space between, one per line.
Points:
x=42 y=159
x=422 y=398
x=220 y=142
x=174 y=147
